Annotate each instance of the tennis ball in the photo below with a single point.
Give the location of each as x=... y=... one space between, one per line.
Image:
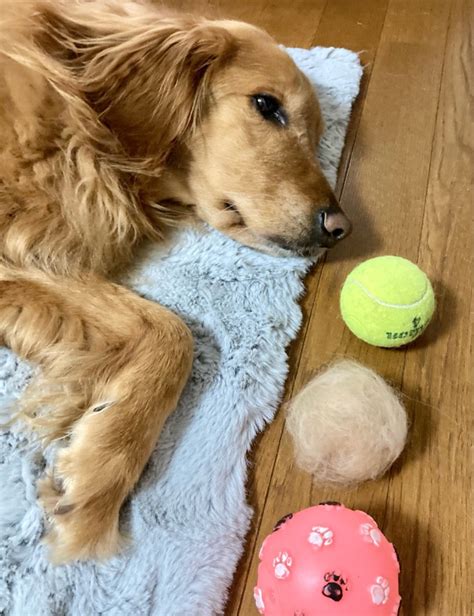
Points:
x=387 y=301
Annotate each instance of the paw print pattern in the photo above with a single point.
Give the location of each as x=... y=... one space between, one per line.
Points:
x=335 y=586
x=371 y=533
x=320 y=535
x=257 y=595
x=380 y=591
x=282 y=565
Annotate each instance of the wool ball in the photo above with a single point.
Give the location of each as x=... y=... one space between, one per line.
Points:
x=387 y=301
x=347 y=424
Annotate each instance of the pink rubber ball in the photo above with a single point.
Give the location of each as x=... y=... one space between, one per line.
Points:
x=327 y=560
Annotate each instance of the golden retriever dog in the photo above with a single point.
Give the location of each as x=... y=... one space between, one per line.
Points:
x=116 y=117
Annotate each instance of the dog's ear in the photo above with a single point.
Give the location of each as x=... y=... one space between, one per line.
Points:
x=146 y=75
x=160 y=87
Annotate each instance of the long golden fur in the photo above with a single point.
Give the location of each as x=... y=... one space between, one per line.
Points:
x=114 y=119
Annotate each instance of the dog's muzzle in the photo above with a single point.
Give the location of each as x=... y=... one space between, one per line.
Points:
x=330 y=226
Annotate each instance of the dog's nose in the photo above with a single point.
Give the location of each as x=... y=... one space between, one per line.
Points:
x=332 y=225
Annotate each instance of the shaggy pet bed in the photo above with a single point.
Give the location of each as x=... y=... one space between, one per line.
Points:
x=188 y=516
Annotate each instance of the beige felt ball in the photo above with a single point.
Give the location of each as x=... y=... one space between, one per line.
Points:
x=347 y=424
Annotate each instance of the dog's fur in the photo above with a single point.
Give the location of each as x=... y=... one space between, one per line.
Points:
x=114 y=118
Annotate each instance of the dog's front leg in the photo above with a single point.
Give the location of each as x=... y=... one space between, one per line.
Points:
x=114 y=366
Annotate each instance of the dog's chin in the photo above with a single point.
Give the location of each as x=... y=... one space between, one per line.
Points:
x=282 y=247
x=278 y=250
x=313 y=252
x=246 y=236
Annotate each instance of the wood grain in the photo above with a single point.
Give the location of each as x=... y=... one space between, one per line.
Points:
x=291 y=23
x=434 y=484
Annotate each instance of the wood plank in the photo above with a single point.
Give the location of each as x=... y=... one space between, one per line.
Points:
x=291 y=23
x=433 y=489
x=357 y=28
x=389 y=167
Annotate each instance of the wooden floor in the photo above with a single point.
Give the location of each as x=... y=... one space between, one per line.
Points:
x=405 y=180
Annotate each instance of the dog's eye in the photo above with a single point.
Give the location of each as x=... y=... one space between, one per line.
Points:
x=270 y=108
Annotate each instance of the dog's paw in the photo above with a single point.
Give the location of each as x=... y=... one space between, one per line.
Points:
x=82 y=513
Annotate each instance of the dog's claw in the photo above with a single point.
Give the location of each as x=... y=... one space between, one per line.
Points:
x=63 y=509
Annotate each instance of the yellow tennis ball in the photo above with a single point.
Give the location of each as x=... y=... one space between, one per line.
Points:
x=387 y=301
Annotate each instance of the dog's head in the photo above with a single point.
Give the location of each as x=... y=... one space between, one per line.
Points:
x=252 y=169
x=249 y=167
x=226 y=114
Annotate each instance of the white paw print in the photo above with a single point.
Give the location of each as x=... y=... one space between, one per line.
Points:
x=380 y=591
x=257 y=595
x=282 y=565
x=371 y=533
x=320 y=535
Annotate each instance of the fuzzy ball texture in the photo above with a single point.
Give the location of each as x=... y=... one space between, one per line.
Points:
x=348 y=425
x=387 y=301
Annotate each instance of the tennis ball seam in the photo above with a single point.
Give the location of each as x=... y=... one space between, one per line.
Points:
x=387 y=304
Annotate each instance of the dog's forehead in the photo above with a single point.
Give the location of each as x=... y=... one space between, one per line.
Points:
x=260 y=64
